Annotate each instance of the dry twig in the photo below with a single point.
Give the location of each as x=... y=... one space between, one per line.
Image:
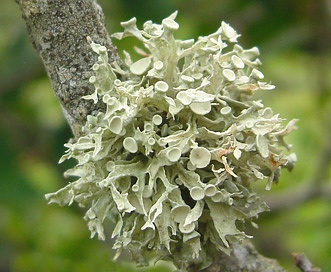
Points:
x=302 y=262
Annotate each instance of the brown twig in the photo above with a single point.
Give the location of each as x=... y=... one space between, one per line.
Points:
x=302 y=262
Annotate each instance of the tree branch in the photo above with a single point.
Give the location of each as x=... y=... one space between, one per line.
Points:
x=293 y=198
x=58 y=30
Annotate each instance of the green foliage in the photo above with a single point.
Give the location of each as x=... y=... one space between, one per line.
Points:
x=172 y=158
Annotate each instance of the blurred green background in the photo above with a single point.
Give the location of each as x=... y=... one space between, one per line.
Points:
x=294 y=38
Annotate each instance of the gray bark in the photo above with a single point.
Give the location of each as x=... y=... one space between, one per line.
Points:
x=244 y=258
x=58 y=30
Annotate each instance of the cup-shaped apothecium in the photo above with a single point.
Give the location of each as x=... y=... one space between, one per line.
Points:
x=200 y=157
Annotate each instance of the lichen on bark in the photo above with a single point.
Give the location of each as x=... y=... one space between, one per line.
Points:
x=58 y=30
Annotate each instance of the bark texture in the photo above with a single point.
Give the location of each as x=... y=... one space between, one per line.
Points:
x=58 y=30
x=244 y=258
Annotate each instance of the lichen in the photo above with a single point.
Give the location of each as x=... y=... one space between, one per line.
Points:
x=171 y=159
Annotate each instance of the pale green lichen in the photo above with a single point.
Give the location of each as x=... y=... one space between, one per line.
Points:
x=171 y=159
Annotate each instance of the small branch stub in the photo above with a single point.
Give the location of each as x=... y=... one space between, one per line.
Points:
x=303 y=263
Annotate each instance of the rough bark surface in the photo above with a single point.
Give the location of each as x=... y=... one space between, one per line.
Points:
x=244 y=258
x=58 y=30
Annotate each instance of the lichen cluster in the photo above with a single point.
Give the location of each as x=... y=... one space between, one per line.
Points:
x=172 y=157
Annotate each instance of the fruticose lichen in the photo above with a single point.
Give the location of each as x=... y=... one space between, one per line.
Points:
x=171 y=159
